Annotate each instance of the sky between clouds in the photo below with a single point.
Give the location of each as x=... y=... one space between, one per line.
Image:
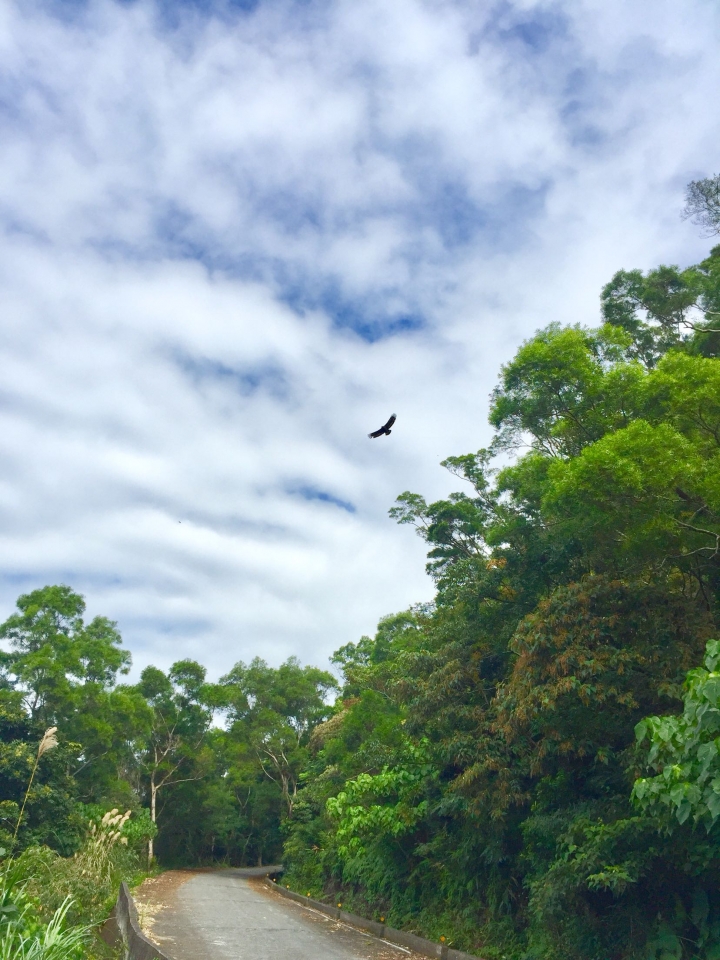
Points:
x=236 y=236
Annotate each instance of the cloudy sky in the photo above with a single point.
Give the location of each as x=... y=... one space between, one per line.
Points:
x=236 y=236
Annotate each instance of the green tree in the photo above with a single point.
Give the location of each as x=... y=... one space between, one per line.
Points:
x=702 y=203
x=55 y=654
x=685 y=750
x=52 y=815
x=575 y=587
x=182 y=706
x=63 y=672
x=274 y=711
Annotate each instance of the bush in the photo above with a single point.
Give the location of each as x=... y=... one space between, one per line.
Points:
x=91 y=877
x=50 y=905
x=23 y=935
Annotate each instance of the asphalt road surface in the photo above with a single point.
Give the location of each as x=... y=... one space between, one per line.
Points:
x=228 y=915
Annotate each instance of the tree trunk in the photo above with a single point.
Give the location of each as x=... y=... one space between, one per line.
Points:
x=153 y=817
x=287 y=795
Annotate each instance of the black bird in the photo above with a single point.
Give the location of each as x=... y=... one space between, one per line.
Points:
x=384 y=430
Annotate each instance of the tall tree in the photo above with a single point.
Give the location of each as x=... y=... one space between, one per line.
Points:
x=576 y=583
x=182 y=706
x=65 y=672
x=702 y=203
x=275 y=710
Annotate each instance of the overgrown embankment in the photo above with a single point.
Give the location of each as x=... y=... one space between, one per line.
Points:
x=477 y=779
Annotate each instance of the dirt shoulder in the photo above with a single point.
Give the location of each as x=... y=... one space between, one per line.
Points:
x=156 y=894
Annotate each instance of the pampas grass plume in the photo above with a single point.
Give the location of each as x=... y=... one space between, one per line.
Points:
x=48 y=742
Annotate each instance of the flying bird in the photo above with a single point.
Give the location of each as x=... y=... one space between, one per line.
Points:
x=384 y=430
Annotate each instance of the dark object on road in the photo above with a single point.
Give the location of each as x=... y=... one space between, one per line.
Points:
x=384 y=430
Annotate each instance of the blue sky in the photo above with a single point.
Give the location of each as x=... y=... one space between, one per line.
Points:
x=237 y=236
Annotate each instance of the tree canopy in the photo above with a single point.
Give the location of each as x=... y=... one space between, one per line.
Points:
x=477 y=780
x=528 y=766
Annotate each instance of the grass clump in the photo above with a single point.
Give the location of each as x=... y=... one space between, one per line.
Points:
x=24 y=935
x=53 y=906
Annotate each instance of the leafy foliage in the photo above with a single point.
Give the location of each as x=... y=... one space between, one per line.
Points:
x=529 y=766
x=576 y=587
x=51 y=906
x=702 y=203
x=685 y=750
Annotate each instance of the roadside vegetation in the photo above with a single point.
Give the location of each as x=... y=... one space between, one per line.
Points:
x=526 y=768
x=93 y=770
x=53 y=907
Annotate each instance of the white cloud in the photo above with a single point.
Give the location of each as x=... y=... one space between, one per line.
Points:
x=197 y=220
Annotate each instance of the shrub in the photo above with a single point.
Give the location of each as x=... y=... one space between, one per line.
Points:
x=23 y=936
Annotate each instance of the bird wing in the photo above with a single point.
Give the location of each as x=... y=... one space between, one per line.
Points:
x=390 y=422
x=377 y=433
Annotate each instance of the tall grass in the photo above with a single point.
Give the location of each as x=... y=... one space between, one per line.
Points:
x=57 y=941
x=49 y=742
x=52 y=906
x=91 y=877
x=23 y=936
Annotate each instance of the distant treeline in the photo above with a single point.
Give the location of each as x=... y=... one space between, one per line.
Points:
x=151 y=747
x=529 y=766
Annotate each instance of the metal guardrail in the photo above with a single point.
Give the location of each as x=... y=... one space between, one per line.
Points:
x=426 y=948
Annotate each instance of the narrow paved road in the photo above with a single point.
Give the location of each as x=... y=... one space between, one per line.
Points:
x=226 y=915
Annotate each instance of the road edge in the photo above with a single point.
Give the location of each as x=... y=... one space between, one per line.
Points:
x=400 y=938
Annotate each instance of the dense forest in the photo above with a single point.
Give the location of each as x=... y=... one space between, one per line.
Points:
x=528 y=767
